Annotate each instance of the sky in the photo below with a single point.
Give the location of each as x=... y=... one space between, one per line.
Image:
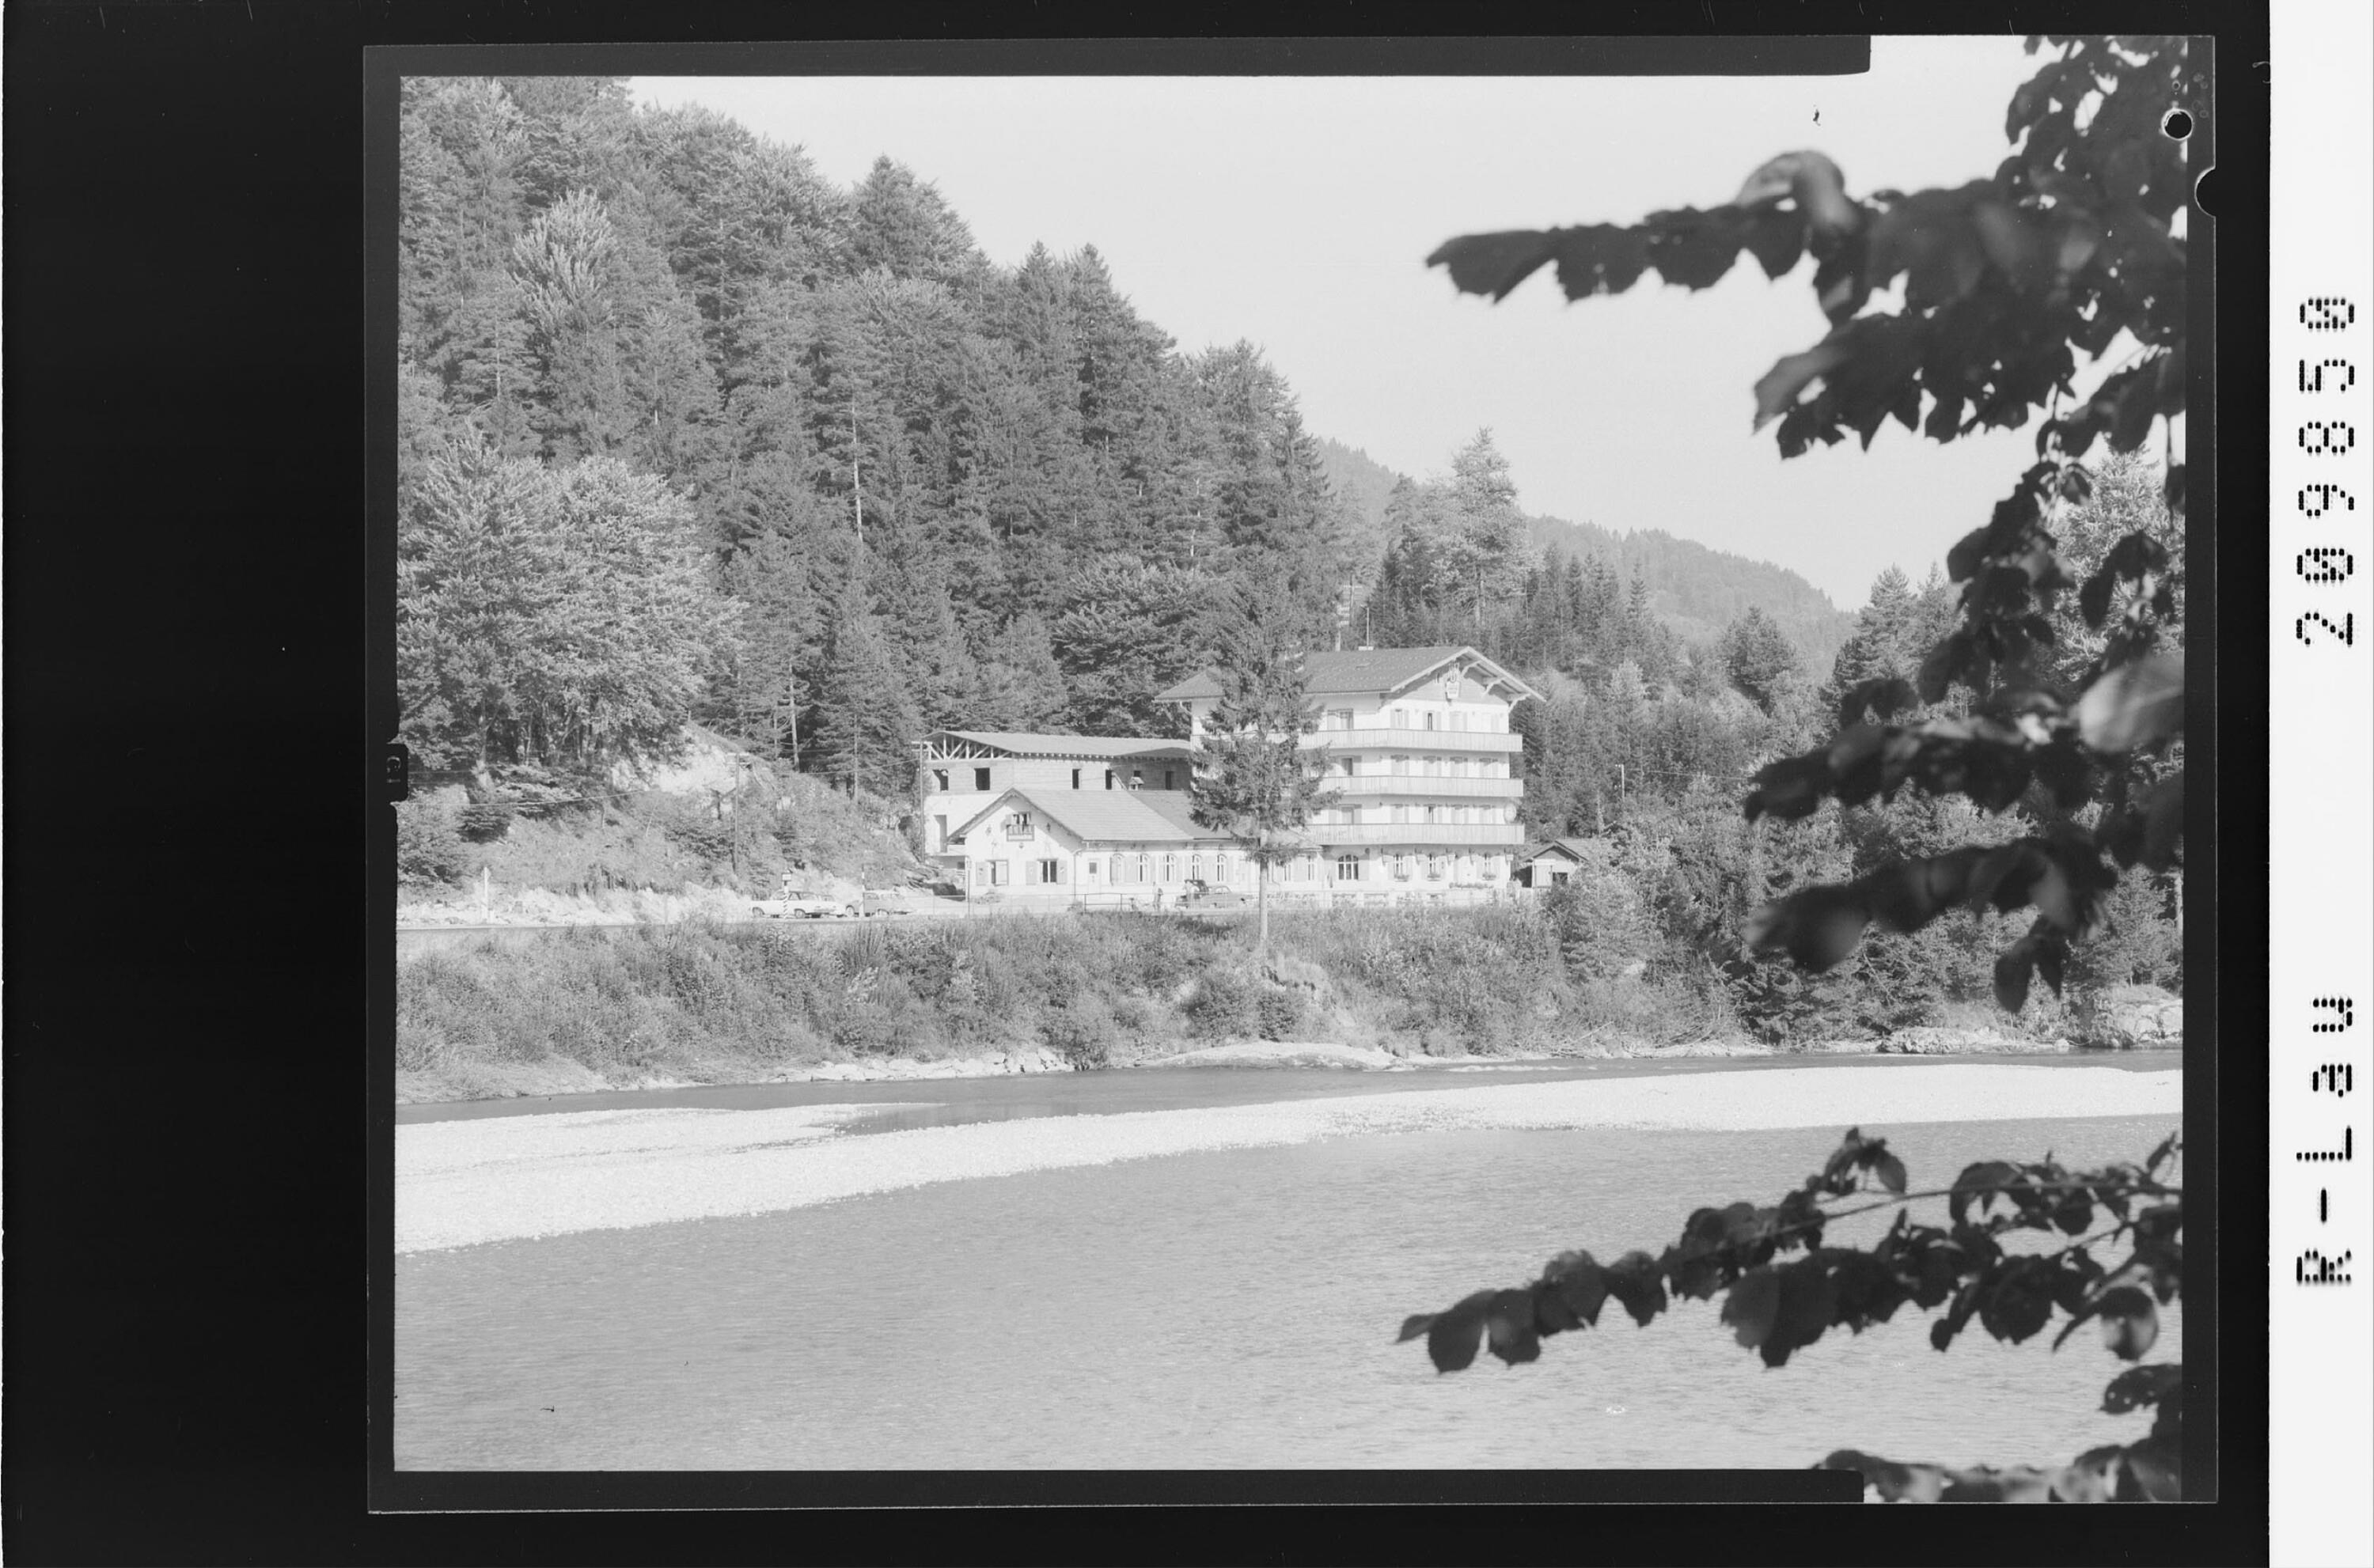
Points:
x=1297 y=213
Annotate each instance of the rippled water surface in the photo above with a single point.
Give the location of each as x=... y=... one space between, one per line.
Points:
x=1231 y=1309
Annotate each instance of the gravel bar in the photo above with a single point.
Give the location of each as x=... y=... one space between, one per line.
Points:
x=462 y=1183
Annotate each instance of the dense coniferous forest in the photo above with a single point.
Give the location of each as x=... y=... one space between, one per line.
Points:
x=690 y=433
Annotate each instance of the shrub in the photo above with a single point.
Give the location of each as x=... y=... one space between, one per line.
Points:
x=428 y=851
x=1082 y=1031
x=1280 y=1013
x=1222 y=1007
x=482 y=822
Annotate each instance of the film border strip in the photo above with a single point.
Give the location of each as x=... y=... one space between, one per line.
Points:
x=2321 y=787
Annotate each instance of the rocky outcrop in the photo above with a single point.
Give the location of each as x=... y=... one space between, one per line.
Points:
x=2136 y=1018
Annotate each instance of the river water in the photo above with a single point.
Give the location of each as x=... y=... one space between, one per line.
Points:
x=1226 y=1308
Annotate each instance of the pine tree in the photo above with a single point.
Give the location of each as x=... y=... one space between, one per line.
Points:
x=1757 y=657
x=1253 y=777
x=1021 y=685
x=866 y=722
x=1128 y=632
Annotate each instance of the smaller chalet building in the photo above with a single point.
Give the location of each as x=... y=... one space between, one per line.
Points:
x=965 y=770
x=1095 y=847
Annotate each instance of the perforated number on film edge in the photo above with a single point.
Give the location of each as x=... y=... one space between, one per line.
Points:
x=2326 y=564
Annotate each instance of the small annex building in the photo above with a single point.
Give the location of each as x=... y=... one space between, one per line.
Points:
x=1548 y=863
x=1093 y=846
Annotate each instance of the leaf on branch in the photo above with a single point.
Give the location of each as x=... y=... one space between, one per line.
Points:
x=2140 y=1386
x=2129 y=1322
x=1777 y=238
x=1508 y=1328
x=1883 y=697
x=1778 y=388
x=1890 y=1172
x=1452 y=1339
x=2134 y=705
x=1601 y=258
x=1808 y=1302
x=1789 y=789
x=1751 y=1305
x=2019 y=1300
x=1578 y=1283
x=1816 y=928
x=1981 y=1183
x=2153 y=1471
x=2011 y=969
x=1494 y=263
x=2163 y=814
x=1633 y=1279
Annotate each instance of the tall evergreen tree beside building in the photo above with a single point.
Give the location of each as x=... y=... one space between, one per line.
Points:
x=1253 y=777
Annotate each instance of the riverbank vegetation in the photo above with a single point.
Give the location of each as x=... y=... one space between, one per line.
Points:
x=1583 y=970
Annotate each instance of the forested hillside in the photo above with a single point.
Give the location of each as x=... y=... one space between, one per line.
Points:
x=1694 y=589
x=690 y=432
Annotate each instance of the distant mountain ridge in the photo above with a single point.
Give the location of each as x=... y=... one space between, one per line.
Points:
x=1695 y=588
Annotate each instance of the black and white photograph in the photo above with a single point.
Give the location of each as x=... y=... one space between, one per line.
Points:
x=1278 y=772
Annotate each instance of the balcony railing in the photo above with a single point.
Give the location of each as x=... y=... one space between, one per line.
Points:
x=1497 y=742
x=1331 y=835
x=1406 y=786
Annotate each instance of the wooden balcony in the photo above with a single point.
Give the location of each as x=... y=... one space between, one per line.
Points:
x=1356 y=788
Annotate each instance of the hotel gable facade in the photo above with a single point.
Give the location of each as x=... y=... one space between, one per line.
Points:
x=1421 y=758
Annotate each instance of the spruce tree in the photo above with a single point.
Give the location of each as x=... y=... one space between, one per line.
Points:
x=866 y=722
x=1253 y=777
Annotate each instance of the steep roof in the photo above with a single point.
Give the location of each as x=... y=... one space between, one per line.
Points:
x=1099 y=748
x=1124 y=816
x=1576 y=849
x=1384 y=670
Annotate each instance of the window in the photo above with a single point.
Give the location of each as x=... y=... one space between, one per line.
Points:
x=1401 y=717
x=1339 y=719
x=980 y=778
x=1434 y=866
x=1169 y=778
x=939 y=832
x=1017 y=826
x=1434 y=813
x=1000 y=873
x=940 y=779
x=1401 y=766
x=1220 y=867
x=1137 y=778
x=1045 y=872
x=1348 y=868
x=1352 y=817
x=1076 y=779
x=1401 y=813
x=1170 y=867
x=1108 y=778
x=1093 y=868
x=1399 y=865
x=1195 y=867
x=1429 y=719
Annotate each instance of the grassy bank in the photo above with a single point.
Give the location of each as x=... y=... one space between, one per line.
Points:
x=585 y=1009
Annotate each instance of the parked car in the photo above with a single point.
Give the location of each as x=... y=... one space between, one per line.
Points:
x=887 y=901
x=1203 y=895
x=805 y=906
